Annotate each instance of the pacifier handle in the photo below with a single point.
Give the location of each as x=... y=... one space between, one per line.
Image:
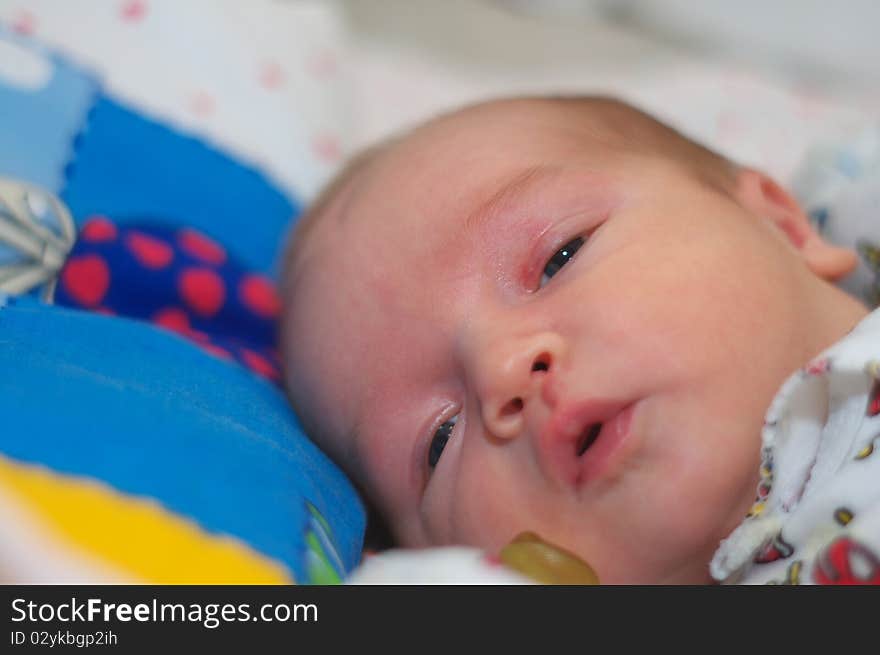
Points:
x=546 y=563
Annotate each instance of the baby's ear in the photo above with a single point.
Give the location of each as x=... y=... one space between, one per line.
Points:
x=761 y=195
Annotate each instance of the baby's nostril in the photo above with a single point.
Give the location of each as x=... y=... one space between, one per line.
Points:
x=512 y=407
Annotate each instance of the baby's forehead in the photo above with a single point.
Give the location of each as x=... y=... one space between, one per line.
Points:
x=408 y=191
x=416 y=192
x=526 y=131
x=468 y=152
x=410 y=206
x=414 y=189
x=507 y=125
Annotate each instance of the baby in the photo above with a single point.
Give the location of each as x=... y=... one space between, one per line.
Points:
x=558 y=315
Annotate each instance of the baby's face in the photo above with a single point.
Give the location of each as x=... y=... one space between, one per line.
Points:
x=513 y=324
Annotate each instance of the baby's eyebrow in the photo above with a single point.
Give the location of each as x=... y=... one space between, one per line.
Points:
x=514 y=188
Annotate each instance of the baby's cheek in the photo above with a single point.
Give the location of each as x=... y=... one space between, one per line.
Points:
x=449 y=506
x=432 y=514
x=495 y=500
x=708 y=321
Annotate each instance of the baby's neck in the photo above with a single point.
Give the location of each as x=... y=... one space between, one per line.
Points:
x=834 y=315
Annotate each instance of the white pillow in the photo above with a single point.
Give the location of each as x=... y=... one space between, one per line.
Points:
x=262 y=80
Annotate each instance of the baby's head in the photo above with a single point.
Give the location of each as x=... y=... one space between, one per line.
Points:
x=555 y=315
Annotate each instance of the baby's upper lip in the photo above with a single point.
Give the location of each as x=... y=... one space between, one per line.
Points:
x=560 y=439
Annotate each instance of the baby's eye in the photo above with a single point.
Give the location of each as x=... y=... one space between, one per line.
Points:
x=438 y=443
x=560 y=259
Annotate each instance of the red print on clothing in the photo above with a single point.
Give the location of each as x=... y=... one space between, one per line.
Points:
x=258 y=294
x=98 y=229
x=201 y=247
x=150 y=252
x=202 y=290
x=87 y=279
x=874 y=399
x=172 y=318
x=847 y=562
x=259 y=364
x=778 y=548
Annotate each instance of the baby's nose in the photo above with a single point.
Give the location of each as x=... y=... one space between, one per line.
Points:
x=518 y=374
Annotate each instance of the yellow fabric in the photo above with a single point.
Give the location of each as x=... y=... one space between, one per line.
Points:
x=136 y=535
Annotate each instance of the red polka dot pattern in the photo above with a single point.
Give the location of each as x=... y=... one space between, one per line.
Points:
x=271 y=75
x=259 y=364
x=172 y=318
x=201 y=247
x=87 y=279
x=202 y=104
x=326 y=147
x=180 y=280
x=150 y=252
x=97 y=230
x=216 y=350
x=199 y=337
x=202 y=290
x=24 y=22
x=133 y=10
x=258 y=294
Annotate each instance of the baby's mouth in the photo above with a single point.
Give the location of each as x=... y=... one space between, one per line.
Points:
x=581 y=439
x=588 y=438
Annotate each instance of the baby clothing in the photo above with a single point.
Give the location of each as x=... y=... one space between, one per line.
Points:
x=816 y=518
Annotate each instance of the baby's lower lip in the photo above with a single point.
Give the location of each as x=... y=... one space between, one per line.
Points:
x=596 y=459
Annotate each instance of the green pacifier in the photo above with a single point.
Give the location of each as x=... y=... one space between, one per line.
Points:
x=545 y=563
